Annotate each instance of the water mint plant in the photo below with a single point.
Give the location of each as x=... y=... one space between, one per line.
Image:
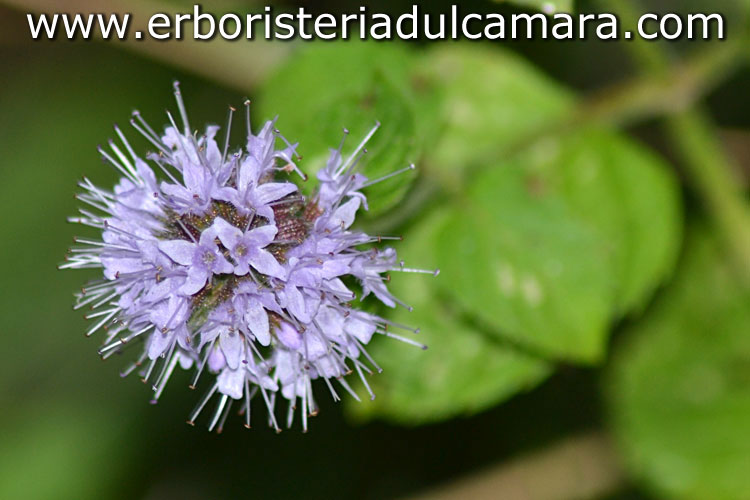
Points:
x=213 y=260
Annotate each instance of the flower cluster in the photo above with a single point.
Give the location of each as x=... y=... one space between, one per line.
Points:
x=212 y=260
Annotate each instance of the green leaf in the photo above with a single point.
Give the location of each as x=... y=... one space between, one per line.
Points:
x=326 y=88
x=491 y=100
x=463 y=371
x=679 y=388
x=553 y=242
x=523 y=263
x=546 y=6
x=626 y=193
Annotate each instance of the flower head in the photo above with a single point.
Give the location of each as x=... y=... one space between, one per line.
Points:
x=212 y=260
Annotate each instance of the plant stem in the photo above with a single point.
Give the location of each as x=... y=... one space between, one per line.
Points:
x=580 y=467
x=709 y=170
x=711 y=175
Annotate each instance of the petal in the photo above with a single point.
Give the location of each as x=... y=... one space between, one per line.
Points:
x=345 y=214
x=269 y=302
x=272 y=191
x=169 y=313
x=216 y=360
x=256 y=318
x=231 y=345
x=213 y=155
x=180 y=251
x=286 y=368
x=119 y=265
x=149 y=250
x=327 y=368
x=266 y=263
x=186 y=362
x=331 y=323
x=196 y=280
x=381 y=292
x=208 y=335
x=228 y=194
x=249 y=173
x=335 y=267
x=159 y=343
x=194 y=177
x=232 y=382
x=159 y=291
x=315 y=347
x=307 y=277
x=261 y=236
x=288 y=336
x=360 y=327
x=227 y=233
x=295 y=302
x=146 y=174
x=241 y=268
x=171 y=137
x=222 y=265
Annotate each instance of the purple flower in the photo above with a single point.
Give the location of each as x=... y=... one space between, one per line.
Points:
x=216 y=262
x=201 y=260
x=247 y=249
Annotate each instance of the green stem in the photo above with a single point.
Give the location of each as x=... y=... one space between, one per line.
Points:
x=710 y=172
x=583 y=466
x=711 y=175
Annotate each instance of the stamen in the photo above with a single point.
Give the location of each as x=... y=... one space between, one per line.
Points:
x=181 y=107
x=202 y=404
x=194 y=383
x=164 y=370
x=177 y=133
x=150 y=369
x=133 y=366
x=247 y=119
x=364 y=381
x=155 y=140
x=269 y=407
x=218 y=412
x=126 y=143
x=150 y=133
x=165 y=378
x=230 y=114
x=359 y=147
x=127 y=173
x=125 y=162
x=313 y=408
x=248 y=397
x=403 y=339
x=346 y=386
x=100 y=323
x=403 y=269
x=388 y=176
x=220 y=429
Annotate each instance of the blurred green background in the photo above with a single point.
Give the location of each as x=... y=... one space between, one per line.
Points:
x=586 y=202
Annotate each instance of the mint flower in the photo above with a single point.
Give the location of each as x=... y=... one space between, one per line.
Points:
x=213 y=260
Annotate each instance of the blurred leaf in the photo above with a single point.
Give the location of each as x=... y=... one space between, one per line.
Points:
x=463 y=371
x=491 y=99
x=553 y=242
x=524 y=263
x=546 y=6
x=626 y=193
x=68 y=453
x=325 y=88
x=680 y=385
